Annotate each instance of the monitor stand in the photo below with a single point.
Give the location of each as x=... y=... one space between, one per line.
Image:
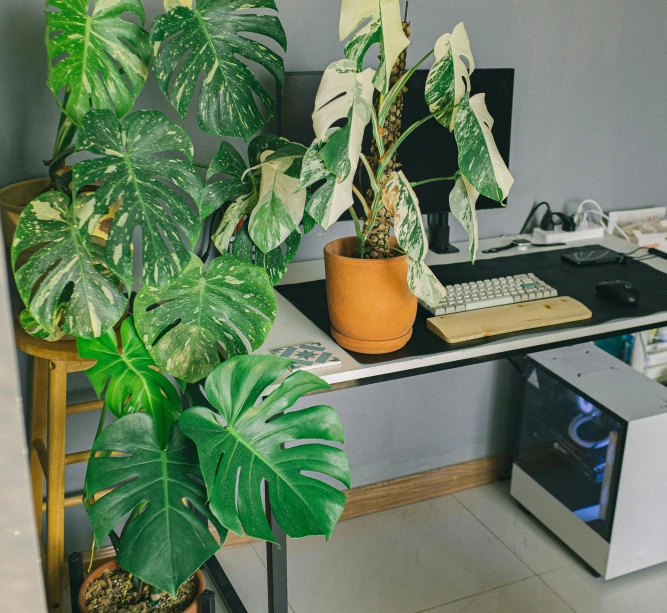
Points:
x=438 y=224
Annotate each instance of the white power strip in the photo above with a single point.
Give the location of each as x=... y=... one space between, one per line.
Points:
x=558 y=236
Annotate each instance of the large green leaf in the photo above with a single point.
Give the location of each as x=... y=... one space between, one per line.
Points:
x=411 y=236
x=383 y=26
x=462 y=201
x=344 y=93
x=135 y=383
x=479 y=159
x=231 y=303
x=166 y=542
x=449 y=78
x=257 y=444
x=206 y=39
x=135 y=171
x=227 y=161
x=100 y=58
x=61 y=283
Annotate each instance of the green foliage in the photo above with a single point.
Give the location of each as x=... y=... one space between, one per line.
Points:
x=164 y=541
x=135 y=171
x=207 y=39
x=135 y=383
x=101 y=59
x=34 y=328
x=462 y=201
x=64 y=283
x=256 y=445
x=231 y=303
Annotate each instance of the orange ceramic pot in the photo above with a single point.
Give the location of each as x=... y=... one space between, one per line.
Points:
x=370 y=305
x=113 y=565
x=13 y=199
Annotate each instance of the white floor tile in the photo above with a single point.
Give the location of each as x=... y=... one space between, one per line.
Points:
x=642 y=592
x=524 y=535
x=399 y=561
x=529 y=596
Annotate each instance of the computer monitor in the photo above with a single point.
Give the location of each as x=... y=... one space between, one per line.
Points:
x=428 y=152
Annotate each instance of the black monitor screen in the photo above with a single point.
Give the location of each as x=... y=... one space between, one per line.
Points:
x=428 y=152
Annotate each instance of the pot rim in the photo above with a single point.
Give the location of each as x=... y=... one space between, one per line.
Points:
x=113 y=564
x=329 y=253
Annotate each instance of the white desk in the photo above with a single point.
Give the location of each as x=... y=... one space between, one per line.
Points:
x=293 y=328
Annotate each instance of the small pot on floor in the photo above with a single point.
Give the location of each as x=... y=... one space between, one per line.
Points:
x=113 y=565
x=371 y=307
x=13 y=199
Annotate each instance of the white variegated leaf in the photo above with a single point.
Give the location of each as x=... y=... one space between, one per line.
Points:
x=230 y=302
x=236 y=211
x=280 y=205
x=480 y=161
x=134 y=170
x=424 y=284
x=449 y=78
x=383 y=25
x=462 y=201
x=63 y=284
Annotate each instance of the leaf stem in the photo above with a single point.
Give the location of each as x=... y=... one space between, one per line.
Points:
x=357 y=229
x=416 y=183
x=376 y=131
x=369 y=170
x=361 y=198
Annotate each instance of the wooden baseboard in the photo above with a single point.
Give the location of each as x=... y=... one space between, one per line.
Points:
x=391 y=494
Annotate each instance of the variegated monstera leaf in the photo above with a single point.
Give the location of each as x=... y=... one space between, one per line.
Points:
x=134 y=170
x=206 y=39
x=344 y=93
x=100 y=58
x=231 y=303
x=462 y=201
x=383 y=25
x=401 y=200
x=449 y=78
x=264 y=442
x=64 y=283
x=480 y=161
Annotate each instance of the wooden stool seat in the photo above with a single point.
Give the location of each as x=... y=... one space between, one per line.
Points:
x=52 y=362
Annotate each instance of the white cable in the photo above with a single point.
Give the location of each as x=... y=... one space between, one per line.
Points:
x=580 y=209
x=609 y=222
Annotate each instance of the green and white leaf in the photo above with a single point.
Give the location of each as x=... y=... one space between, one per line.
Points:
x=449 y=78
x=135 y=383
x=61 y=283
x=252 y=448
x=480 y=161
x=227 y=161
x=462 y=201
x=280 y=204
x=101 y=59
x=206 y=40
x=35 y=329
x=383 y=25
x=167 y=541
x=231 y=303
x=135 y=171
x=234 y=213
x=400 y=198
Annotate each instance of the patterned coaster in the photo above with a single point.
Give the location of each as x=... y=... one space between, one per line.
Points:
x=307 y=356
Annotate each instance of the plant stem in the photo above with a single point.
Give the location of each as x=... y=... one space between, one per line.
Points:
x=359 y=195
x=198 y=165
x=357 y=230
x=376 y=132
x=416 y=183
x=369 y=170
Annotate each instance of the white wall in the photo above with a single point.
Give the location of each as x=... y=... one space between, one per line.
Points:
x=589 y=121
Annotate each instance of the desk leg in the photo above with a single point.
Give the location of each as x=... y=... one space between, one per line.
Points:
x=276 y=565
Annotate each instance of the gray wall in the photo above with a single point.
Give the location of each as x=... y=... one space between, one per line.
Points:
x=589 y=121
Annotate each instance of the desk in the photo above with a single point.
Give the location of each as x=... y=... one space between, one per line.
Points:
x=292 y=328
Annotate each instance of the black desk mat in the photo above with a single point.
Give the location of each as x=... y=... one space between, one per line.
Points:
x=579 y=283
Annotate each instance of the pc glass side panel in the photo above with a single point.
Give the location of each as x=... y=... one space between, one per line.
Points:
x=571 y=446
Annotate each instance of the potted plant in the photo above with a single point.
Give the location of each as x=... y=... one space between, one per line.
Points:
x=129 y=217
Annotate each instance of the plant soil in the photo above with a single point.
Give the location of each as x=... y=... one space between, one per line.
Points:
x=105 y=595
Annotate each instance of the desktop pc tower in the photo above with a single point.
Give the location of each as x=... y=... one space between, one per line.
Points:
x=591 y=463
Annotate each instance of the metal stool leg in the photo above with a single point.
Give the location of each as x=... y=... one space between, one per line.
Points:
x=55 y=484
x=276 y=565
x=75 y=565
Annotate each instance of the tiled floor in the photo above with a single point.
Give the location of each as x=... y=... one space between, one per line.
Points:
x=472 y=552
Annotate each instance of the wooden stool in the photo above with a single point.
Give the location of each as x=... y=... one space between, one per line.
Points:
x=52 y=363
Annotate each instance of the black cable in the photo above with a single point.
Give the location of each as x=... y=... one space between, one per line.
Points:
x=532 y=212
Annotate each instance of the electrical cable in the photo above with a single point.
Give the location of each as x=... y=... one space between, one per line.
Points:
x=532 y=212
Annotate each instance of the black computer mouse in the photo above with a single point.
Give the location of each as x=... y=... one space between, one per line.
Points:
x=619 y=291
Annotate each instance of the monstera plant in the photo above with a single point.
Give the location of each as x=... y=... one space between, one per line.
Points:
x=115 y=250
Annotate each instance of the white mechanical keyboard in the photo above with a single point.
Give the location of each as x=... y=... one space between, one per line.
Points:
x=492 y=292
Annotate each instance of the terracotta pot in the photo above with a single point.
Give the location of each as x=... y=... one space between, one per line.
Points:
x=13 y=199
x=193 y=608
x=370 y=305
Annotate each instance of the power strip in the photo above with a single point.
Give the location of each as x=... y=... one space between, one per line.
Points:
x=548 y=237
